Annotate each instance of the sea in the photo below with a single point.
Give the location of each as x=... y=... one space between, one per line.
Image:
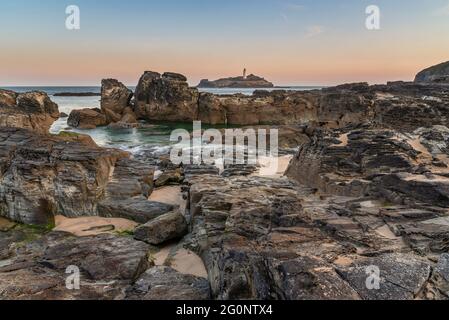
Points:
x=148 y=137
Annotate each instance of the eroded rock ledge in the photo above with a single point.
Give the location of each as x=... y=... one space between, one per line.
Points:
x=31 y=110
x=168 y=97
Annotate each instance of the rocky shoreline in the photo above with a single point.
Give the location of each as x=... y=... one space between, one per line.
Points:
x=368 y=186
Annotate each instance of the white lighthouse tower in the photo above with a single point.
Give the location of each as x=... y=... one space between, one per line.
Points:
x=244 y=74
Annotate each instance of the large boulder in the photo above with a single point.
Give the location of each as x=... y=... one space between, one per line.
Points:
x=115 y=98
x=30 y=110
x=165 y=98
x=169 y=226
x=86 y=119
x=43 y=176
x=438 y=73
x=138 y=209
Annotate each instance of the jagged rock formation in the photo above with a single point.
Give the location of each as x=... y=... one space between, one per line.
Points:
x=165 y=98
x=31 y=110
x=168 y=98
x=437 y=74
x=115 y=98
x=116 y=109
x=250 y=81
x=42 y=176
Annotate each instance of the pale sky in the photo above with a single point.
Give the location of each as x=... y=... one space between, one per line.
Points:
x=320 y=42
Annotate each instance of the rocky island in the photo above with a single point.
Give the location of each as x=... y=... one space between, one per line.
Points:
x=367 y=185
x=250 y=81
x=436 y=74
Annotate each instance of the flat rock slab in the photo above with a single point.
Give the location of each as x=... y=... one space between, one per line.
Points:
x=108 y=264
x=402 y=276
x=103 y=257
x=164 y=283
x=40 y=283
x=137 y=209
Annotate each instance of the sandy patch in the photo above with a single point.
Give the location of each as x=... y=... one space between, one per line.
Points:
x=386 y=232
x=170 y=195
x=161 y=256
x=273 y=167
x=187 y=262
x=88 y=226
x=343 y=261
x=343 y=140
x=182 y=260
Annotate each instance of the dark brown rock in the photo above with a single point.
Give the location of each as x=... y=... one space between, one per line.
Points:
x=86 y=119
x=115 y=98
x=164 y=283
x=162 y=229
x=31 y=110
x=165 y=98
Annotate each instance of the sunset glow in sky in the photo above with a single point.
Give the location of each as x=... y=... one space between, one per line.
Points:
x=297 y=42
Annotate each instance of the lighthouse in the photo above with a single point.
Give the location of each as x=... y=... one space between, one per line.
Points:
x=244 y=74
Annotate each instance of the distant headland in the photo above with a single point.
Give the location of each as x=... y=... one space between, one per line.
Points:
x=244 y=81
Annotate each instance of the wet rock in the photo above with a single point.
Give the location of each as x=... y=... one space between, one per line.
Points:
x=164 y=283
x=42 y=176
x=164 y=228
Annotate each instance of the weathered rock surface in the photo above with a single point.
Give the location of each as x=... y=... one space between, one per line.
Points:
x=138 y=209
x=165 y=98
x=168 y=98
x=115 y=110
x=42 y=176
x=31 y=110
x=164 y=283
x=37 y=270
x=87 y=119
x=166 y=227
x=250 y=81
x=277 y=107
x=367 y=190
x=438 y=73
x=253 y=237
x=115 y=98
